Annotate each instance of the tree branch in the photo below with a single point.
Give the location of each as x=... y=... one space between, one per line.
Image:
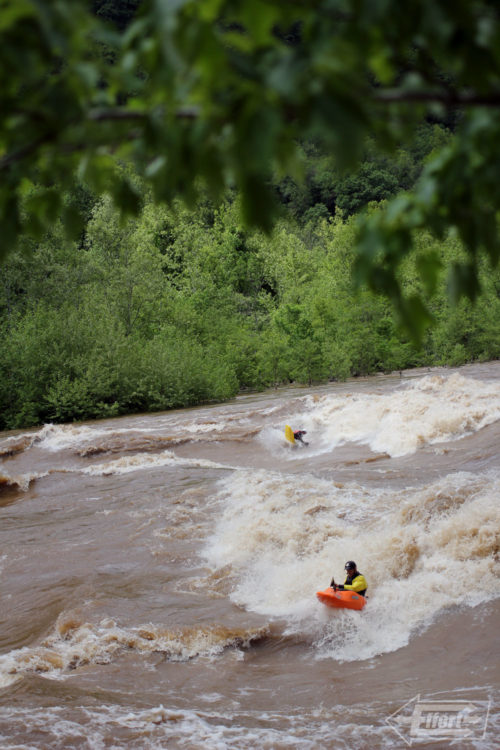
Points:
x=450 y=98
x=385 y=96
x=29 y=148
x=102 y=115
x=109 y=115
x=94 y=115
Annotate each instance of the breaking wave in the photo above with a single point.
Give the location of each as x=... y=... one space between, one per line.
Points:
x=21 y=481
x=427 y=411
x=76 y=643
x=282 y=541
x=147 y=461
x=12 y=445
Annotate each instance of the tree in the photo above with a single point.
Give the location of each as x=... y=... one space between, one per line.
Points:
x=368 y=184
x=219 y=93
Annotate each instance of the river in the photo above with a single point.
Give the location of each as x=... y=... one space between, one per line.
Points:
x=158 y=572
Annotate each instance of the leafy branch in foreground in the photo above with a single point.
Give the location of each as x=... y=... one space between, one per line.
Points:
x=220 y=93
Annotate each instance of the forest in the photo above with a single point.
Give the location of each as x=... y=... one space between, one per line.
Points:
x=132 y=282
x=179 y=306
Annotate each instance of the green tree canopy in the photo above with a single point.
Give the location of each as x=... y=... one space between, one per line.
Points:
x=206 y=95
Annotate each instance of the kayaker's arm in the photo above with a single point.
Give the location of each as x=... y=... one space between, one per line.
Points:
x=359 y=584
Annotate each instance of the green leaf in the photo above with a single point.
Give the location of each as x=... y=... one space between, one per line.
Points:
x=429 y=266
x=415 y=317
x=126 y=196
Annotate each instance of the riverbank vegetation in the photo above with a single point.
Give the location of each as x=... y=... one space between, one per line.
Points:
x=176 y=307
x=198 y=199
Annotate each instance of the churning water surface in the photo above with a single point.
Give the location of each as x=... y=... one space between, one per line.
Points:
x=159 y=571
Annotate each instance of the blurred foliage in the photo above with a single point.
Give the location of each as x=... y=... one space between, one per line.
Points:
x=118 y=12
x=206 y=96
x=175 y=307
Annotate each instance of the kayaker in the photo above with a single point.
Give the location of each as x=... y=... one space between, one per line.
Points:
x=298 y=436
x=355 y=581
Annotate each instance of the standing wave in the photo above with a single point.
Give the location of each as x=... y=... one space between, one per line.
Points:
x=430 y=410
x=422 y=551
x=76 y=643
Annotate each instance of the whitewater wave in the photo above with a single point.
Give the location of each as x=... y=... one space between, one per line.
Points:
x=16 y=444
x=76 y=643
x=282 y=542
x=20 y=481
x=85 y=440
x=430 y=410
x=147 y=461
x=158 y=727
x=124 y=465
x=127 y=443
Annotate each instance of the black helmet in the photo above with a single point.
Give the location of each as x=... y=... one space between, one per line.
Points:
x=350 y=565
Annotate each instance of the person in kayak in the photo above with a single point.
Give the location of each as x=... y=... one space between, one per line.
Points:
x=298 y=436
x=355 y=581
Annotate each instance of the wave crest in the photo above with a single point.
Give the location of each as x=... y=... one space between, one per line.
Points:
x=75 y=643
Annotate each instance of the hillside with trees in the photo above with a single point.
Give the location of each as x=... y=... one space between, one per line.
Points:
x=198 y=198
x=180 y=306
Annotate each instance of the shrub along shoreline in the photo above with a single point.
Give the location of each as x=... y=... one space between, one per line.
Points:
x=176 y=308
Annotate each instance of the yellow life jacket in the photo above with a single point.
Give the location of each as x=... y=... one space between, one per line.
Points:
x=358 y=583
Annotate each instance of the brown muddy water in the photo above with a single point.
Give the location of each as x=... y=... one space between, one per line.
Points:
x=158 y=572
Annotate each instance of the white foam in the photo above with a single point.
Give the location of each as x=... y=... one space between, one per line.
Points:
x=158 y=727
x=22 y=481
x=141 y=461
x=429 y=410
x=207 y=427
x=75 y=643
x=421 y=552
x=58 y=437
x=273 y=440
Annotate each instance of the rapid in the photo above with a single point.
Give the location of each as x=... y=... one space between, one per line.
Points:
x=158 y=572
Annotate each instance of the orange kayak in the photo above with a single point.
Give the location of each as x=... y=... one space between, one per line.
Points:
x=341 y=599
